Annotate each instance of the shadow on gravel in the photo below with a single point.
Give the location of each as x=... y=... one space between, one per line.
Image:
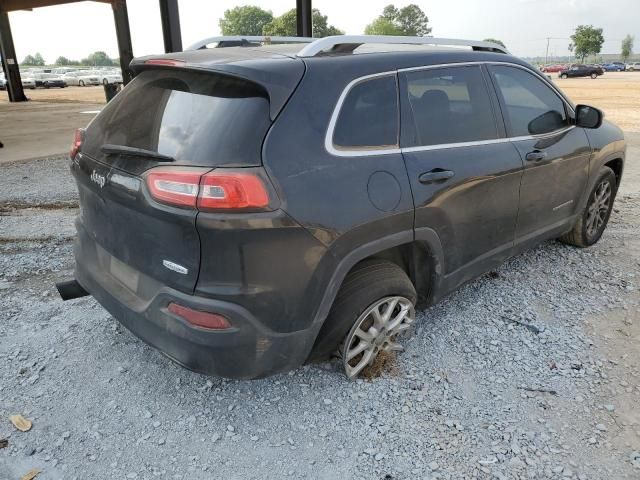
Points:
x=12 y=206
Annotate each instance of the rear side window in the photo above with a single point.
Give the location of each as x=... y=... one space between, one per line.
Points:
x=448 y=105
x=197 y=118
x=532 y=107
x=368 y=118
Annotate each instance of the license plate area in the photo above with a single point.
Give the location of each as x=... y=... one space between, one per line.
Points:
x=124 y=274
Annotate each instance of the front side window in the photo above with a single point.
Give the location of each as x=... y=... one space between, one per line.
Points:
x=368 y=118
x=532 y=107
x=448 y=105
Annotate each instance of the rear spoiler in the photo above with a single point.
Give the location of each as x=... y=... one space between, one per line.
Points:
x=278 y=76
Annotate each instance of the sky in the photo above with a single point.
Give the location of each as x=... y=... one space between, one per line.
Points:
x=76 y=30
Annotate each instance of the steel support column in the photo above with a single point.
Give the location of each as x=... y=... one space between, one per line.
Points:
x=170 y=18
x=303 y=18
x=123 y=33
x=9 y=61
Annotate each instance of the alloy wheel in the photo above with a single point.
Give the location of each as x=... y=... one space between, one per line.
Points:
x=598 y=208
x=376 y=330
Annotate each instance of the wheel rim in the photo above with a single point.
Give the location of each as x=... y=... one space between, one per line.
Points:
x=598 y=208
x=376 y=330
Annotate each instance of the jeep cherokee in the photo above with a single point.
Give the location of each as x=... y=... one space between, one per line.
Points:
x=248 y=209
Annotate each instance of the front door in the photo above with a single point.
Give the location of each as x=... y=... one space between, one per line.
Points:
x=464 y=175
x=555 y=153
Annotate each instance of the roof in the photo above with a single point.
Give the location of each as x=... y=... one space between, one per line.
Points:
x=278 y=68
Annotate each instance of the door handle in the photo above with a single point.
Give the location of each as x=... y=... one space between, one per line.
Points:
x=536 y=156
x=435 y=175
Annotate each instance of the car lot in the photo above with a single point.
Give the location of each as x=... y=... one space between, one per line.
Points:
x=531 y=371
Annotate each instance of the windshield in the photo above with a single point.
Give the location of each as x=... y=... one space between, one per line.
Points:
x=197 y=118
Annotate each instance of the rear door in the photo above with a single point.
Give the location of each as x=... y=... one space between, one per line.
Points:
x=465 y=176
x=200 y=120
x=555 y=153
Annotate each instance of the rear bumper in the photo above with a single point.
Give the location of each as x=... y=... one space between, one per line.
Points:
x=248 y=350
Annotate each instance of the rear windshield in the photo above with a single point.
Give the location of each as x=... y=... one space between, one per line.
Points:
x=197 y=118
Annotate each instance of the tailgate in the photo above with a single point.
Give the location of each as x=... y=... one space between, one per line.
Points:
x=139 y=235
x=192 y=120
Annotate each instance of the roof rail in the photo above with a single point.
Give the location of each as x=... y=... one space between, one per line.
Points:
x=348 y=43
x=246 y=40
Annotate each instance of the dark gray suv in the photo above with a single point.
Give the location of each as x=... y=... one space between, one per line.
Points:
x=251 y=208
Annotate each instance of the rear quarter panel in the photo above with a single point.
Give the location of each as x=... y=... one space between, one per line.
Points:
x=329 y=194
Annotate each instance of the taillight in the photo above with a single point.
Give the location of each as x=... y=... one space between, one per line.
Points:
x=216 y=190
x=175 y=187
x=77 y=143
x=197 y=318
x=232 y=190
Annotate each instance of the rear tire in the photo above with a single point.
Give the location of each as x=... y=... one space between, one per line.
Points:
x=81 y=83
x=593 y=220
x=370 y=283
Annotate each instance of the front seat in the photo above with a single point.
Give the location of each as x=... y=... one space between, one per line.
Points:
x=432 y=113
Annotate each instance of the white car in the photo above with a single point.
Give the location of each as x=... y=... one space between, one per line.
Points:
x=632 y=67
x=28 y=82
x=3 y=82
x=109 y=76
x=81 y=78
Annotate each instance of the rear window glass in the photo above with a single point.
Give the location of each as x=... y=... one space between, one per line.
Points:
x=369 y=116
x=196 y=118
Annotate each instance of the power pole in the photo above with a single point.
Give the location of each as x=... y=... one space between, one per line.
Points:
x=546 y=56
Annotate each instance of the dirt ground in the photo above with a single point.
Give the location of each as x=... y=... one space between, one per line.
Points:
x=616 y=93
x=63 y=95
x=609 y=93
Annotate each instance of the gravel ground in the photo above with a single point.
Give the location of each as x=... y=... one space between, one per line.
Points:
x=531 y=371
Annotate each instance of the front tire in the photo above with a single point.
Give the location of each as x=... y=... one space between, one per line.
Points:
x=594 y=75
x=593 y=220
x=81 y=83
x=374 y=305
x=564 y=75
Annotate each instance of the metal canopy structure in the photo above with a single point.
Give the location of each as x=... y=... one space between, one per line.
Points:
x=170 y=19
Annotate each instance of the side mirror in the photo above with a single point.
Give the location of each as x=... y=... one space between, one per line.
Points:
x=545 y=123
x=588 y=117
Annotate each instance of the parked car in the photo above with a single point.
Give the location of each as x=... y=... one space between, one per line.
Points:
x=28 y=82
x=49 y=80
x=553 y=68
x=593 y=71
x=632 y=67
x=81 y=78
x=612 y=67
x=109 y=77
x=242 y=213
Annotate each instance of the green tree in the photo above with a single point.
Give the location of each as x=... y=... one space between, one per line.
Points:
x=627 y=47
x=34 y=60
x=286 y=25
x=39 y=61
x=98 y=59
x=382 y=26
x=247 y=20
x=587 y=40
x=495 y=40
x=409 y=20
x=28 y=60
x=64 y=61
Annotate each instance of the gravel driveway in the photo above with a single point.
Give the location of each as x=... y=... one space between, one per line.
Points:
x=532 y=371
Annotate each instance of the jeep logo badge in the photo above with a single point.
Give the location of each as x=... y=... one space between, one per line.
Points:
x=98 y=179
